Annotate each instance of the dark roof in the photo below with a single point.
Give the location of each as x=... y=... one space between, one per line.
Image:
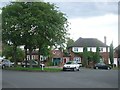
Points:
x=117 y=48
x=88 y=42
x=117 y=51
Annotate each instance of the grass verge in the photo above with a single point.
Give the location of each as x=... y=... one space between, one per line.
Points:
x=116 y=68
x=34 y=69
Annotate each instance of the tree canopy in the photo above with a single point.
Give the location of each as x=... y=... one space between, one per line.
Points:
x=69 y=42
x=33 y=24
x=28 y=19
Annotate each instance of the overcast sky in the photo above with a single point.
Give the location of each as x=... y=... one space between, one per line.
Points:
x=91 y=19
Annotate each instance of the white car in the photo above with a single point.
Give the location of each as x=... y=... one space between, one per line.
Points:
x=7 y=63
x=71 y=65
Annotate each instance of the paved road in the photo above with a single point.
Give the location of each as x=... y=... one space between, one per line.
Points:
x=86 y=78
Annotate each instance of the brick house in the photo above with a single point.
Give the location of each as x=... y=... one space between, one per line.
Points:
x=56 y=57
x=117 y=55
x=35 y=56
x=91 y=43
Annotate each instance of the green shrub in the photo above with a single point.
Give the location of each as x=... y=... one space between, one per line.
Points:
x=49 y=63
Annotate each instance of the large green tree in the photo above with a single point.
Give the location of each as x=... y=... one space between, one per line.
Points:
x=33 y=24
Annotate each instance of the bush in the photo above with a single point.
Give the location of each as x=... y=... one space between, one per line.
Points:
x=49 y=63
x=8 y=53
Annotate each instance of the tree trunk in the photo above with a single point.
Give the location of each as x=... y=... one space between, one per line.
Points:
x=30 y=51
x=25 y=55
x=14 y=54
x=39 y=57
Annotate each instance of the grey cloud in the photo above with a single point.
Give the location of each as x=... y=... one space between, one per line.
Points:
x=87 y=9
x=84 y=9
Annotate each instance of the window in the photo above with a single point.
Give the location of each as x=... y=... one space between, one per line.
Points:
x=77 y=59
x=32 y=56
x=101 y=49
x=28 y=57
x=89 y=49
x=75 y=49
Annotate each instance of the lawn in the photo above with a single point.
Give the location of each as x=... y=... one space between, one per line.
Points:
x=116 y=68
x=34 y=69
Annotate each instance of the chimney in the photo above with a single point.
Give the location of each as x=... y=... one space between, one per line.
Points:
x=105 y=39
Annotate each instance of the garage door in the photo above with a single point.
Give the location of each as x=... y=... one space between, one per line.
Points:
x=56 y=61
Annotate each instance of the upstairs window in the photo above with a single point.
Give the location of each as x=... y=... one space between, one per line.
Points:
x=75 y=49
x=101 y=49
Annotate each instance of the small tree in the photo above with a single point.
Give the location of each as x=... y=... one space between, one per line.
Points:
x=97 y=55
x=90 y=55
x=69 y=42
x=111 y=53
x=85 y=57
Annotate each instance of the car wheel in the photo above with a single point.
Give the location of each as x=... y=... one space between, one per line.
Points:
x=78 y=69
x=3 y=66
x=96 y=67
x=75 y=69
x=108 y=68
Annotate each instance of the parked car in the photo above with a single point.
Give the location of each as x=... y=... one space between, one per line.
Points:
x=80 y=64
x=102 y=66
x=6 y=63
x=34 y=63
x=71 y=65
x=0 y=63
x=1 y=58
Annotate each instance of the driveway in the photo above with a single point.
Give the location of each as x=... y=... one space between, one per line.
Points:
x=85 y=78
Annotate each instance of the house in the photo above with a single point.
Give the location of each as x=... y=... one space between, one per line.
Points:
x=91 y=43
x=117 y=55
x=66 y=58
x=34 y=56
x=57 y=57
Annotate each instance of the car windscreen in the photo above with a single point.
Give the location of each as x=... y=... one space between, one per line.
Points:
x=69 y=63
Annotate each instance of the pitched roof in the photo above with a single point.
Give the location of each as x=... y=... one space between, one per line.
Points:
x=117 y=48
x=88 y=42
